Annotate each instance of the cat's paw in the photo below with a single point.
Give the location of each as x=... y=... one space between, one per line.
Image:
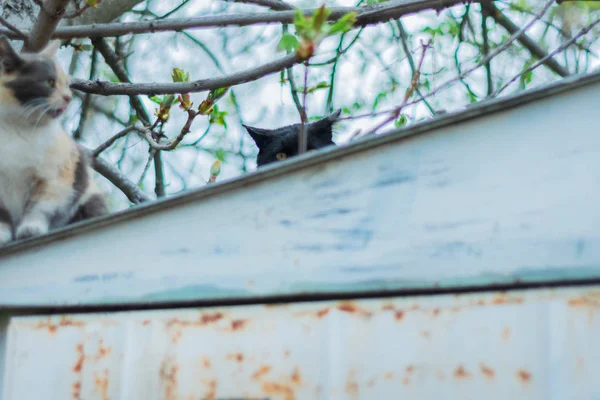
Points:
x=5 y=234
x=32 y=228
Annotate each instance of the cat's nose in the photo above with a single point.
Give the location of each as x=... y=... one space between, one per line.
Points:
x=67 y=98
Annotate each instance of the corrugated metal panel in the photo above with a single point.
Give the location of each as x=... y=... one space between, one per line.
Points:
x=509 y=197
x=539 y=344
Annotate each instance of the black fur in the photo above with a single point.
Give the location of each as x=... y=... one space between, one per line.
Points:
x=285 y=139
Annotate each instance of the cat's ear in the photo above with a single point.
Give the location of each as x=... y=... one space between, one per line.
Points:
x=335 y=116
x=10 y=58
x=52 y=48
x=323 y=128
x=261 y=136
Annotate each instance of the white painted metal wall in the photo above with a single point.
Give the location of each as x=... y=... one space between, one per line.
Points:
x=535 y=345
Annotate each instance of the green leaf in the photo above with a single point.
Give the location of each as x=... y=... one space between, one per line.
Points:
x=472 y=97
x=318 y=86
x=180 y=75
x=400 y=122
x=344 y=24
x=300 y=23
x=320 y=17
x=155 y=99
x=220 y=154
x=218 y=117
x=216 y=94
x=288 y=42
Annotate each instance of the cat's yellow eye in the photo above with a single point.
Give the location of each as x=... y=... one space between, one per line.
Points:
x=51 y=83
x=281 y=156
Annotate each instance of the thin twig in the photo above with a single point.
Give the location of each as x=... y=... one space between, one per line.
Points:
x=579 y=34
x=171 y=145
x=486 y=50
x=113 y=139
x=13 y=28
x=463 y=74
x=87 y=99
x=411 y=61
x=414 y=83
x=303 y=137
x=276 y=5
x=526 y=41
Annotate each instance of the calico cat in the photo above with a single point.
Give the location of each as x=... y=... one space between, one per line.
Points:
x=282 y=143
x=45 y=176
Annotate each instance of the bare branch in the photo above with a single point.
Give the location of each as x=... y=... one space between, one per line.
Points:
x=130 y=189
x=113 y=139
x=462 y=75
x=110 y=88
x=579 y=34
x=276 y=5
x=13 y=28
x=50 y=14
x=414 y=83
x=526 y=41
x=367 y=15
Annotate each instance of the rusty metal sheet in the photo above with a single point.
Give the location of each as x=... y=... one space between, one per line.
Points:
x=539 y=344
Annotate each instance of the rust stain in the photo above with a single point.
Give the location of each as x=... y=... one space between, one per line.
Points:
x=274 y=388
x=371 y=382
x=103 y=351
x=436 y=312
x=504 y=299
x=405 y=381
x=296 y=378
x=146 y=322
x=168 y=376
x=210 y=318
x=238 y=324
x=286 y=354
x=176 y=336
x=524 y=376
x=206 y=362
x=63 y=322
x=352 y=384
x=487 y=371
x=399 y=314
x=101 y=384
x=211 y=390
x=506 y=333
x=77 y=390
x=80 y=359
x=461 y=372
x=583 y=302
x=352 y=308
x=426 y=334
x=410 y=368
x=263 y=370
x=323 y=312
x=239 y=357
x=389 y=375
x=388 y=307
x=204 y=319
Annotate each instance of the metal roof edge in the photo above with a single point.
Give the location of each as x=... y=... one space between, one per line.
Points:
x=477 y=110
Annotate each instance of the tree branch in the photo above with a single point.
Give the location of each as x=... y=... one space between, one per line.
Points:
x=526 y=41
x=366 y=15
x=130 y=189
x=50 y=14
x=276 y=5
x=579 y=34
x=150 y=89
x=13 y=28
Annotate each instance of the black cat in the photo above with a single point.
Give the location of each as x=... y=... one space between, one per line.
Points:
x=281 y=143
